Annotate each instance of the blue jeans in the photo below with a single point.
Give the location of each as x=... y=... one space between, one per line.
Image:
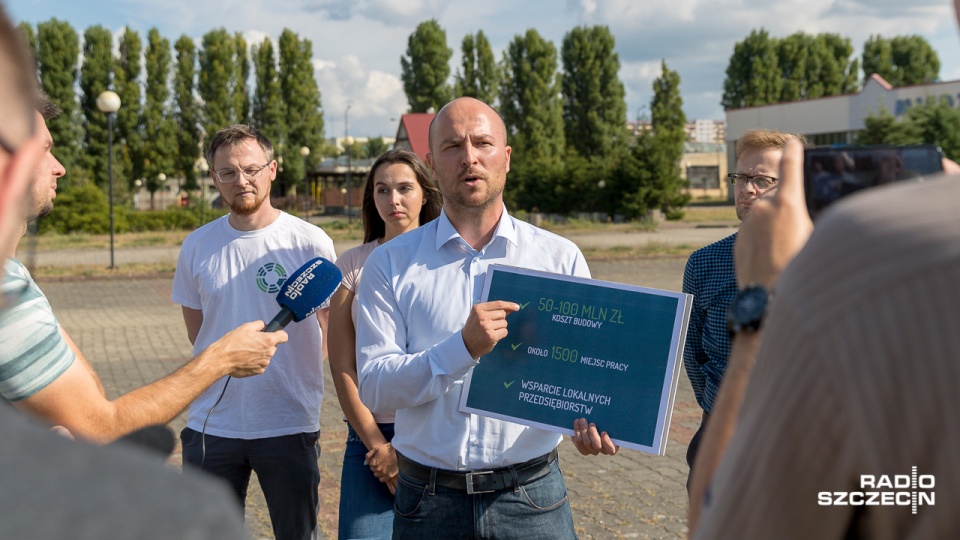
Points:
x=286 y=466
x=537 y=510
x=366 y=505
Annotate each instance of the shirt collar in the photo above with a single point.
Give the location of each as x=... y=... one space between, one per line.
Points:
x=506 y=229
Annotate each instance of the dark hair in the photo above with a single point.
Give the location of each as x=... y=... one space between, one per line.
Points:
x=45 y=106
x=373 y=225
x=235 y=134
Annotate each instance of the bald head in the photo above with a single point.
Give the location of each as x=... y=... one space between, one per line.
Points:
x=469 y=105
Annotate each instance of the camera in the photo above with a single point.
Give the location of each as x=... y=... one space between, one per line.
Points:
x=831 y=172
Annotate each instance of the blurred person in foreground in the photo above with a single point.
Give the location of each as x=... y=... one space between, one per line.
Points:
x=848 y=377
x=54 y=487
x=44 y=373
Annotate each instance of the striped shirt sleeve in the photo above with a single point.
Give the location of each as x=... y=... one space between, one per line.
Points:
x=33 y=352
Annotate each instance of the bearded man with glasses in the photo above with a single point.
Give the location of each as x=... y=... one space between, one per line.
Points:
x=709 y=274
x=229 y=270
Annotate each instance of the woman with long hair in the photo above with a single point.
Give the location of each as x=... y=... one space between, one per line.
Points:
x=400 y=194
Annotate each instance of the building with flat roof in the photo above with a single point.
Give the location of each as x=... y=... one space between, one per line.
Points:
x=836 y=119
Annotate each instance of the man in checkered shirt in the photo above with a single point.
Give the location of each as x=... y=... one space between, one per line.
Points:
x=709 y=275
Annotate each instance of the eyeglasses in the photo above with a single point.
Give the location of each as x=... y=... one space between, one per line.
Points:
x=230 y=175
x=760 y=181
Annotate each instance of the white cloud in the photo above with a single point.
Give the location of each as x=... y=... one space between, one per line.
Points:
x=374 y=97
x=357 y=44
x=389 y=12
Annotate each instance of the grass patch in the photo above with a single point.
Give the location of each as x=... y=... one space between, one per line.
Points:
x=53 y=241
x=651 y=250
x=701 y=214
x=52 y=273
x=586 y=226
x=336 y=229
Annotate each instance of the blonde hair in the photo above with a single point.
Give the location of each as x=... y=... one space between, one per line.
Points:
x=762 y=139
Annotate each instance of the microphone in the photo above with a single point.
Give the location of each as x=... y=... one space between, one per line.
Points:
x=304 y=291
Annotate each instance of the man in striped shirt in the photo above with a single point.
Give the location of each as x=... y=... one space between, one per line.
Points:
x=42 y=371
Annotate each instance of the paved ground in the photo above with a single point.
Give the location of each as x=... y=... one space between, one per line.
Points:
x=670 y=234
x=133 y=334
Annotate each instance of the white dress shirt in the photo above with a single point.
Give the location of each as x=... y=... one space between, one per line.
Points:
x=415 y=296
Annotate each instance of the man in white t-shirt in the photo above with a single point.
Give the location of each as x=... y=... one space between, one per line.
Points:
x=231 y=270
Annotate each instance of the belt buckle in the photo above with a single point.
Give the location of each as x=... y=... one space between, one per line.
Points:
x=470 y=475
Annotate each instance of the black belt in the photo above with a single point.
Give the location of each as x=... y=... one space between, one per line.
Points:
x=486 y=481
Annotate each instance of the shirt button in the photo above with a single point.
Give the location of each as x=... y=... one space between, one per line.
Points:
x=476 y=442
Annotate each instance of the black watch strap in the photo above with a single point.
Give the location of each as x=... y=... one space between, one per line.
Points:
x=748 y=309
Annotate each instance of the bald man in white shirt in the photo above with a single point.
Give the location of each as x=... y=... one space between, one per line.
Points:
x=422 y=328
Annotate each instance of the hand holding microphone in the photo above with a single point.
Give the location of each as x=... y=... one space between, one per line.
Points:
x=305 y=291
x=249 y=348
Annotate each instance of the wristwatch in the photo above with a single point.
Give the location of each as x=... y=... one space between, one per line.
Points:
x=747 y=309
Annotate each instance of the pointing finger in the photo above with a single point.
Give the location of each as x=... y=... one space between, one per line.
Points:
x=790 y=186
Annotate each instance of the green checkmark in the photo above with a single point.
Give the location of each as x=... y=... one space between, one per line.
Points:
x=507 y=385
x=523 y=305
x=514 y=347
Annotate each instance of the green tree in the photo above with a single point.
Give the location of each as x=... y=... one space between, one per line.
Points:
x=159 y=125
x=376 y=146
x=528 y=97
x=426 y=68
x=268 y=107
x=837 y=72
x=187 y=112
x=877 y=58
x=58 y=48
x=304 y=114
x=594 y=110
x=816 y=66
x=533 y=115
x=902 y=60
x=753 y=74
x=764 y=70
x=216 y=79
x=128 y=155
x=934 y=122
x=95 y=78
x=480 y=75
x=241 y=93
x=659 y=152
x=29 y=36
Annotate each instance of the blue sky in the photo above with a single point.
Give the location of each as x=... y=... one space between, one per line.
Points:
x=357 y=44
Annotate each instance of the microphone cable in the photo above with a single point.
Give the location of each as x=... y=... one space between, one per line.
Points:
x=203 y=431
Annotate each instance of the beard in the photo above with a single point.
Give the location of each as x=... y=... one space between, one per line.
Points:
x=44 y=210
x=244 y=208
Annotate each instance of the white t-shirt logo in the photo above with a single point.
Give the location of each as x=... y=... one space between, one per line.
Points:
x=270 y=277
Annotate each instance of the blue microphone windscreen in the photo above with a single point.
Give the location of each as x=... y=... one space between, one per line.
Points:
x=309 y=287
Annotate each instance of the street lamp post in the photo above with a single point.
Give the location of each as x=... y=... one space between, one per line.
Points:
x=138 y=183
x=204 y=170
x=347 y=143
x=304 y=151
x=109 y=102
x=162 y=180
